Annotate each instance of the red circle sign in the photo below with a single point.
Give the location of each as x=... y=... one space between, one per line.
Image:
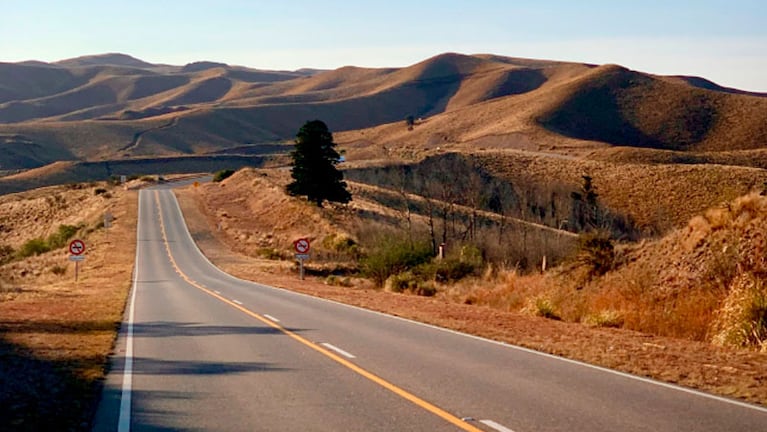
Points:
x=77 y=247
x=301 y=245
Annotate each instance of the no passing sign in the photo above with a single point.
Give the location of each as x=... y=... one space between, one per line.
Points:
x=302 y=245
x=76 y=247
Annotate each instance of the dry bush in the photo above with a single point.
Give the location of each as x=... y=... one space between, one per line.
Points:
x=742 y=320
x=543 y=307
x=503 y=289
x=605 y=318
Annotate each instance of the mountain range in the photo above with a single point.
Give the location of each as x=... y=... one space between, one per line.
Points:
x=114 y=106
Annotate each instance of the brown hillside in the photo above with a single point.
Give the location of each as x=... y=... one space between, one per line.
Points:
x=622 y=107
x=656 y=197
x=467 y=103
x=708 y=275
x=582 y=107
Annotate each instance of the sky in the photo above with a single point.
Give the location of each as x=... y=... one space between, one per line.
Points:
x=724 y=41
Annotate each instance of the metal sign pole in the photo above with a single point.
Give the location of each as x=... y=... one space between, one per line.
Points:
x=301 y=265
x=77 y=268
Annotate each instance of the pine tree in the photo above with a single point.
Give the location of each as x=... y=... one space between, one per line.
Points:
x=314 y=166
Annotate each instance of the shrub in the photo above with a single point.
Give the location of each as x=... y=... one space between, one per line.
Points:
x=596 y=250
x=270 y=253
x=411 y=283
x=58 y=270
x=62 y=235
x=742 y=321
x=6 y=254
x=39 y=245
x=452 y=270
x=36 y=246
x=392 y=256
x=334 y=280
x=401 y=282
x=543 y=307
x=605 y=318
x=99 y=191
x=342 y=245
x=425 y=289
x=221 y=175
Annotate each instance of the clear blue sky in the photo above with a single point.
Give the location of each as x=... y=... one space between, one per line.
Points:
x=725 y=41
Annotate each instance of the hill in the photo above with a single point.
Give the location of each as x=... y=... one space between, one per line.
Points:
x=114 y=106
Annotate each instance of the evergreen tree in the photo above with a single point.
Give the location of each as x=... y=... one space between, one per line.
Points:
x=314 y=166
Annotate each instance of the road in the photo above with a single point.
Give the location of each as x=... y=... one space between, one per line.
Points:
x=202 y=350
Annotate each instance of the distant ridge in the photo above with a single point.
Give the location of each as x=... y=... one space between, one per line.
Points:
x=109 y=59
x=95 y=107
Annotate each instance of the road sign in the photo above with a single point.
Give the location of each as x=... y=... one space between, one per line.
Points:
x=302 y=245
x=302 y=256
x=77 y=257
x=77 y=247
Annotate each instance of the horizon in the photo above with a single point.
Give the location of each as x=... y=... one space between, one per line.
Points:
x=716 y=40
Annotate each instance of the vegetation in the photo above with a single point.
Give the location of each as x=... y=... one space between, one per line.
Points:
x=6 y=254
x=219 y=176
x=596 y=252
x=410 y=122
x=314 y=169
x=393 y=255
x=39 y=245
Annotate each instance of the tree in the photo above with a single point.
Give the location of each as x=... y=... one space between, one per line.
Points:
x=410 y=122
x=314 y=166
x=585 y=206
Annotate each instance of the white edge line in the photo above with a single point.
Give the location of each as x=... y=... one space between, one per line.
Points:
x=217 y=292
x=271 y=318
x=124 y=418
x=237 y=301
x=338 y=350
x=480 y=338
x=496 y=426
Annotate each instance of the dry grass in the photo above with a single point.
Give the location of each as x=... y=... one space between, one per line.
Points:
x=648 y=193
x=702 y=283
x=56 y=334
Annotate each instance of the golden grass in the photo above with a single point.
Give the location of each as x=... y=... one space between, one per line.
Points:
x=55 y=333
x=700 y=282
x=649 y=193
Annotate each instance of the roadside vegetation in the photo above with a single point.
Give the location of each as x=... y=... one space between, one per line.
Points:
x=55 y=333
x=490 y=242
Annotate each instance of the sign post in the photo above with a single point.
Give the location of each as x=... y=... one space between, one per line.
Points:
x=77 y=248
x=302 y=247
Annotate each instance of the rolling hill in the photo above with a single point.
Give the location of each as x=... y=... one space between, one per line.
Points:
x=113 y=106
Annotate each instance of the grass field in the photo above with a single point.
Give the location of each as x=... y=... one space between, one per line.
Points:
x=55 y=333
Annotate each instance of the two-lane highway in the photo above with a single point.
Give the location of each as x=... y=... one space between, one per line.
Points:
x=202 y=350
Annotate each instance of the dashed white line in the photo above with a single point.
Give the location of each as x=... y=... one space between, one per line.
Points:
x=493 y=425
x=271 y=318
x=217 y=292
x=338 y=350
x=237 y=301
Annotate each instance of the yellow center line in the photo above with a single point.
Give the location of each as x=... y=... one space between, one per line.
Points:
x=365 y=373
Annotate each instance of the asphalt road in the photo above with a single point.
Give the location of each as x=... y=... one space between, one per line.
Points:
x=202 y=350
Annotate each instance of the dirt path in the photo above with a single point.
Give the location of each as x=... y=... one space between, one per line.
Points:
x=733 y=373
x=136 y=141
